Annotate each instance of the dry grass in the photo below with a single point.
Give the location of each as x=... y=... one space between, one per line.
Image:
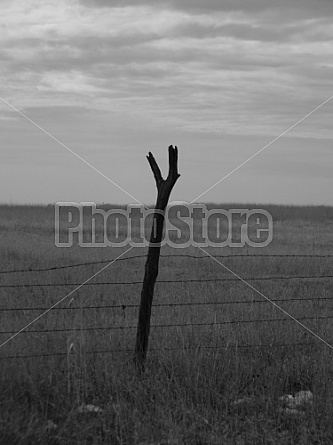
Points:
x=194 y=373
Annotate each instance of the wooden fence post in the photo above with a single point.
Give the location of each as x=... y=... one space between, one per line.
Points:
x=164 y=187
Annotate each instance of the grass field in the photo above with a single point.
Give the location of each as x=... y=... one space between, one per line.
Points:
x=212 y=342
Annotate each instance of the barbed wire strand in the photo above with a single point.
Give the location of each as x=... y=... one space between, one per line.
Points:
x=91 y=263
x=191 y=280
x=166 y=325
x=156 y=305
x=87 y=282
x=271 y=301
x=58 y=302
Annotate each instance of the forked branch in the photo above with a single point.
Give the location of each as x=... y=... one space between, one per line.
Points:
x=164 y=188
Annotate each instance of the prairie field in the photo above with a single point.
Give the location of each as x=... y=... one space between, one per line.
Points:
x=228 y=338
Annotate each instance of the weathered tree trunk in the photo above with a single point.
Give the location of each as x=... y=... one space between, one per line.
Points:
x=164 y=188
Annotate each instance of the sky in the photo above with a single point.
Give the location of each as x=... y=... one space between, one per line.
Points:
x=101 y=83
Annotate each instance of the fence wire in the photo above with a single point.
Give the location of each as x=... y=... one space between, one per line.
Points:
x=91 y=263
x=192 y=280
x=164 y=326
x=161 y=305
x=156 y=305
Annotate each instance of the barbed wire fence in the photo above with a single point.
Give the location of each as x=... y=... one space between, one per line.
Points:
x=165 y=326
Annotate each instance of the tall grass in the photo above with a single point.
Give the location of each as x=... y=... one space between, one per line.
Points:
x=218 y=352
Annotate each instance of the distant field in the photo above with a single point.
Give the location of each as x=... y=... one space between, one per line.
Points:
x=213 y=339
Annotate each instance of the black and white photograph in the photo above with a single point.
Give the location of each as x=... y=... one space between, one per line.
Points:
x=166 y=222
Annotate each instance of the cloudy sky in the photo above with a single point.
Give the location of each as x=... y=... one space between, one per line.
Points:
x=112 y=80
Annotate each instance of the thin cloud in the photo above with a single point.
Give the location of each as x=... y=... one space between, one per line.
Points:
x=225 y=67
x=291 y=9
